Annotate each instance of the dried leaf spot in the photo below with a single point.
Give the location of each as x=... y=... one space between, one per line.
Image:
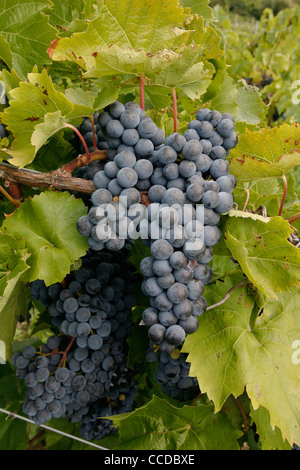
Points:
x=32 y=118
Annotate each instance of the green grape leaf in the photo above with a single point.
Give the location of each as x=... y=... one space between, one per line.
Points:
x=230 y=353
x=13 y=303
x=13 y=256
x=265 y=192
x=47 y=223
x=266 y=153
x=222 y=92
x=55 y=153
x=13 y=435
x=116 y=60
x=6 y=208
x=33 y=103
x=161 y=426
x=264 y=254
x=271 y=439
x=63 y=14
x=26 y=29
x=186 y=73
x=290 y=211
x=137 y=253
x=134 y=25
x=250 y=107
x=107 y=95
x=223 y=263
x=205 y=37
x=5 y=51
x=10 y=79
x=159 y=97
x=53 y=122
x=80 y=97
x=199 y=7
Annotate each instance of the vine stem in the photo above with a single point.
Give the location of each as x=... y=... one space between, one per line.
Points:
x=284 y=195
x=35 y=438
x=82 y=160
x=196 y=399
x=263 y=210
x=60 y=179
x=175 y=109
x=9 y=197
x=294 y=217
x=142 y=97
x=226 y=297
x=243 y=414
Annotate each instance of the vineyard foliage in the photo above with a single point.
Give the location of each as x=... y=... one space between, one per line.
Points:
x=64 y=61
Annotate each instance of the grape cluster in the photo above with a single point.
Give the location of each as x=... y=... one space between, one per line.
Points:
x=120 y=401
x=172 y=374
x=188 y=187
x=81 y=370
x=191 y=188
x=116 y=209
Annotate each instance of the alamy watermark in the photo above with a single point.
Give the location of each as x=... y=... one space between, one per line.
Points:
x=296 y=93
x=180 y=222
x=296 y=353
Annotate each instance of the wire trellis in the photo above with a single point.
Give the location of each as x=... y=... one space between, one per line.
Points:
x=57 y=431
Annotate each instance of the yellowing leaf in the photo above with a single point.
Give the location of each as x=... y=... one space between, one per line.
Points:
x=32 y=102
x=266 y=153
x=263 y=252
x=232 y=351
x=134 y=24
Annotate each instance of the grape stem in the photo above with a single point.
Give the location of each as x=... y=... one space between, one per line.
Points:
x=263 y=211
x=80 y=137
x=196 y=399
x=65 y=352
x=142 y=98
x=284 y=195
x=226 y=297
x=175 y=109
x=83 y=160
x=35 y=438
x=94 y=134
x=294 y=217
x=243 y=414
x=15 y=191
